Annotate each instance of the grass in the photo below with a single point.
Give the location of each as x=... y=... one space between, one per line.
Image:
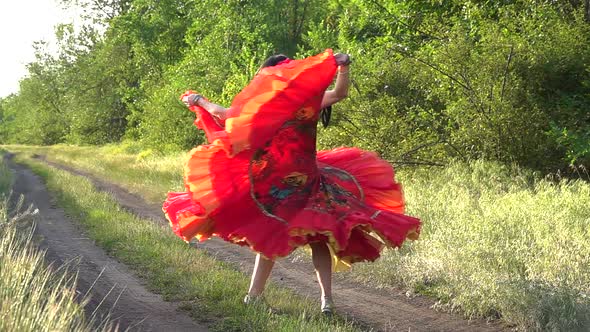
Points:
x=497 y=241
x=33 y=296
x=209 y=290
x=147 y=173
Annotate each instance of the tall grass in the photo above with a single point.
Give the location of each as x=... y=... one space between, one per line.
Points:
x=33 y=297
x=497 y=241
x=5 y=178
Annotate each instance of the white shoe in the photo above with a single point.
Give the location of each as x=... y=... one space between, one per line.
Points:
x=327 y=305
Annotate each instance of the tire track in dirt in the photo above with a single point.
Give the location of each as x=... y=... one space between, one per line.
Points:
x=113 y=288
x=382 y=309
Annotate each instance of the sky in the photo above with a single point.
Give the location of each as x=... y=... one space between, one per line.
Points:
x=21 y=23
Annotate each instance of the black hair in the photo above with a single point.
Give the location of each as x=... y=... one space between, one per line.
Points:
x=325 y=115
x=273 y=60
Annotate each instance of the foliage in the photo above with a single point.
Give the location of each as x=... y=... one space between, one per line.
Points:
x=433 y=81
x=464 y=82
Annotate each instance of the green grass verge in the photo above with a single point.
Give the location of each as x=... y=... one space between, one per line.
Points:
x=497 y=241
x=146 y=173
x=33 y=296
x=211 y=291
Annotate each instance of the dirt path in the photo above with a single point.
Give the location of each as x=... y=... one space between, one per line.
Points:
x=112 y=286
x=384 y=310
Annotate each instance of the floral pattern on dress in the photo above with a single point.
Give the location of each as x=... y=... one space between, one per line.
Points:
x=285 y=178
x=284 y=173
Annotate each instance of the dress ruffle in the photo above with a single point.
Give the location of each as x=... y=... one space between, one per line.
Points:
x=273 y=96
x=261 y=184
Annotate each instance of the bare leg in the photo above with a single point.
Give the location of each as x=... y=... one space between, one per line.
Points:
x=322 y=261
x=262 y=269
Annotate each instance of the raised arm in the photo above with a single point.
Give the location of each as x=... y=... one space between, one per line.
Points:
x=340 y=90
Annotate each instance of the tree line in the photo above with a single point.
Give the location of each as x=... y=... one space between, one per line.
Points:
x=432 y=80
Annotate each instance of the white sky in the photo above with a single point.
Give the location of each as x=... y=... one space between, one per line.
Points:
x=21 y=23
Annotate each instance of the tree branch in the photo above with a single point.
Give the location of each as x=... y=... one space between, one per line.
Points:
x=417 y=163
x=428 y=64
x=385 y=10
x=506 y=72
x=416 y=149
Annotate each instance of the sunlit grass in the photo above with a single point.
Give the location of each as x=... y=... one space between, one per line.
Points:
x=209 y=290
x=147 y=173
x=33 y=296
x=497 y=241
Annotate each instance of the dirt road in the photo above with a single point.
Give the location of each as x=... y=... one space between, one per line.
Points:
x=384 y=310
x=113 y=287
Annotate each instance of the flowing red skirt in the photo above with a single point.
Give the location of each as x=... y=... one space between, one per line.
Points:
x=260 y=183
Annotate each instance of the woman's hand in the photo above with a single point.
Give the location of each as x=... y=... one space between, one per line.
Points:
x=342 y=59
x=191 y=99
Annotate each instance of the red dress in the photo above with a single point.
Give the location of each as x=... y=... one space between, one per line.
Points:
x=261 y=183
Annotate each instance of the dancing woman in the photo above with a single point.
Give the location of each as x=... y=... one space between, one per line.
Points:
x=262 y=184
